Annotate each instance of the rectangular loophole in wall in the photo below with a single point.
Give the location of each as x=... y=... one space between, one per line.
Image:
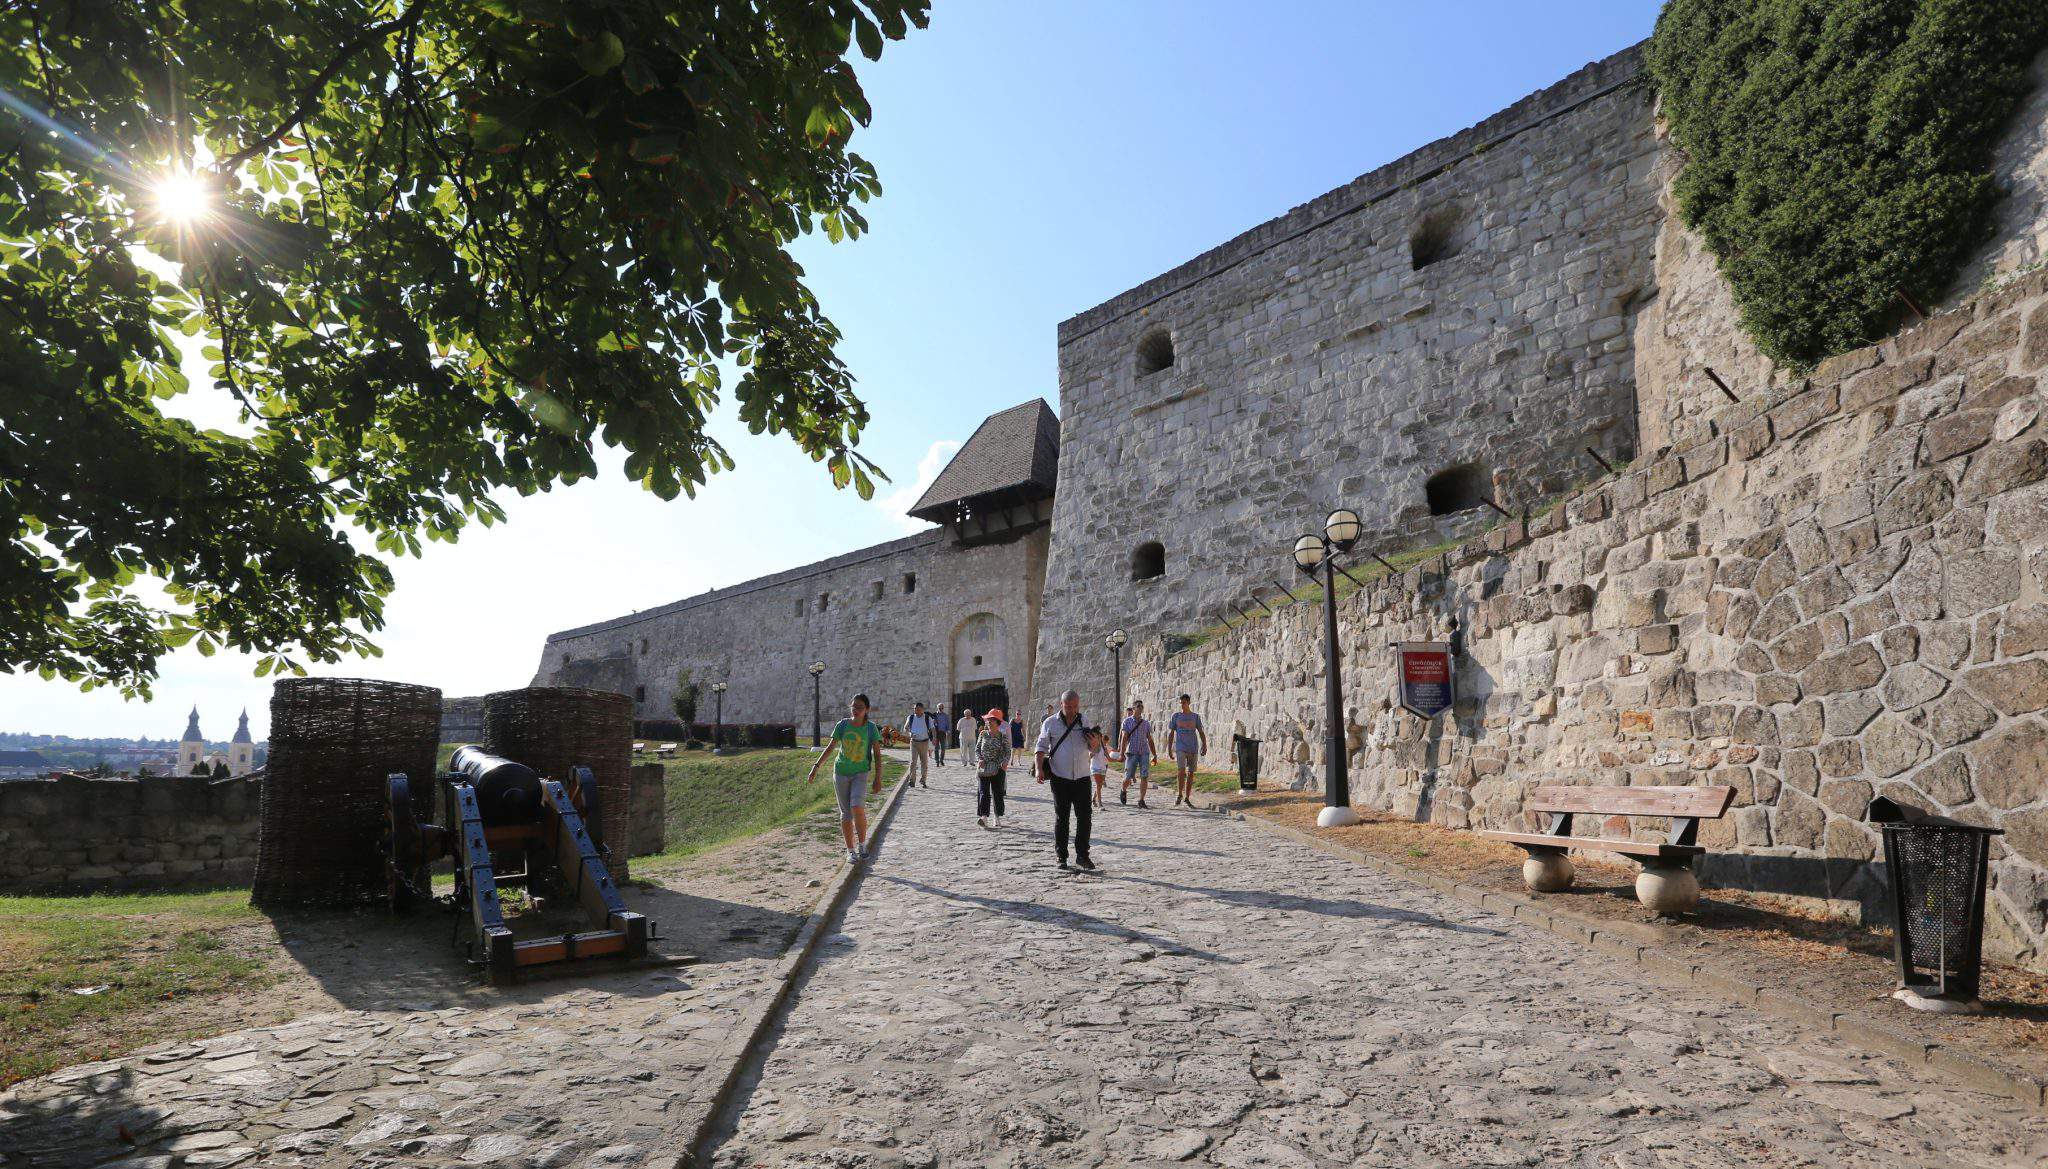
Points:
x=876 y=590
x=824 y=601
x=909 y=583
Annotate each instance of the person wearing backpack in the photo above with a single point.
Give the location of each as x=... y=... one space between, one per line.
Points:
x=990 y=752
x=1063 y=763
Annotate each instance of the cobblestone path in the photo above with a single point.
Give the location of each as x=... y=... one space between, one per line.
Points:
x=592 y=1071
x=1222 y=997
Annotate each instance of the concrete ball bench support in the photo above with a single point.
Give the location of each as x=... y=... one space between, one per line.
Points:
x=1666 y=886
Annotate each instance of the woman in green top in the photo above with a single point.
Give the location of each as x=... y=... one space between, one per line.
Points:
x=859 y=745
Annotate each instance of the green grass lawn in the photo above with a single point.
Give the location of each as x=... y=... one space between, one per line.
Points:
x=146 y=951
x=713 y=799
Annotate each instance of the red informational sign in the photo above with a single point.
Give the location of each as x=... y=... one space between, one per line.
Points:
x=1425 y=677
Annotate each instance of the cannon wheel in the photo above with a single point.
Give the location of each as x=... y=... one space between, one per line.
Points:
x=405 y=862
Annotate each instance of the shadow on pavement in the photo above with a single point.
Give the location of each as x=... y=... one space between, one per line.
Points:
x=1263 y=899
x=1053 y=915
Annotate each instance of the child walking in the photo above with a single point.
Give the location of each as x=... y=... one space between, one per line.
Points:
x=991 y=755
x=1098 y=760
x=857 y=742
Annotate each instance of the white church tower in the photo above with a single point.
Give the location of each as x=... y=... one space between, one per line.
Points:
x=191 y=748
x=242 y=749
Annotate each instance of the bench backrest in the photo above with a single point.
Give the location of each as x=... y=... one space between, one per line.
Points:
x=1708 y=803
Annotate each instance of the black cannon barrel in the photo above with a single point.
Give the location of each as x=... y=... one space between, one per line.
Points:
x=506 y=792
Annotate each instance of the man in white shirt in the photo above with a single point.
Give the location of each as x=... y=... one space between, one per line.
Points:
x=967 y=728
x=1063 y=761
x=919 y=727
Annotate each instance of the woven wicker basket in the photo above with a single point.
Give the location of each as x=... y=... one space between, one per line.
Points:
x=554 y=729
x=332 y=743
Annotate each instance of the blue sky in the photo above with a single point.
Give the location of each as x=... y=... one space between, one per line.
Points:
x=1037 y=159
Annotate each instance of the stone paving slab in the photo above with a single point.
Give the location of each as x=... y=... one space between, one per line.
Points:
x=586 y=1075
x=1221 y=997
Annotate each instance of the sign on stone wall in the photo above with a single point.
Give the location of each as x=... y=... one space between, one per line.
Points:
x=1425 y=677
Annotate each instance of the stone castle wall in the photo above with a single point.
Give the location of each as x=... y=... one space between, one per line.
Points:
x=1837 y=589
x=1316 y=365
x=760 y=636
x=86 y=835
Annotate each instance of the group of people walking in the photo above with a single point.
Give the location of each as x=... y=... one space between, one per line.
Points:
x=1069 y=757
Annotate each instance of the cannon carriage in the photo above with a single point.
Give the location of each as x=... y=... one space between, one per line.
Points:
x=506 y=826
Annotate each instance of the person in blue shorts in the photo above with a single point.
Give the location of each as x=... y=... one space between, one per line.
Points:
x=858 y=768
x=1190 y=743
x=1137 y=755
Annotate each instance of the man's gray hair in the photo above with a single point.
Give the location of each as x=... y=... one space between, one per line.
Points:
x=1073 y=694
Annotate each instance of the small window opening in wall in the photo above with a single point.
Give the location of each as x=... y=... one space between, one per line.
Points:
x=1455 y=489
x=1155 y=351
x=1148 y=561
x=824 y=601
x=643 y=647
x=977 y=659
x=639 y=693
x=876 y=590
x=1441 y=235
x=799 y=606
x=909 y=582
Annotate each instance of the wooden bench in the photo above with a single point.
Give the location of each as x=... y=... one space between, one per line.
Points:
x=1666 y=885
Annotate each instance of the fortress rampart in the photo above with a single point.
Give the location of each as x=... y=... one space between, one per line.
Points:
x=1838 y=590
x=1465 y=313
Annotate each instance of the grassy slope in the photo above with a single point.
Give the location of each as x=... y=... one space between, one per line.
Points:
x=146 y=950
x=713 y=799
x=157 y=948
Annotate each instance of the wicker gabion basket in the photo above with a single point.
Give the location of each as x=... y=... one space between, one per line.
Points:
x=332 y=743
x=552 y=729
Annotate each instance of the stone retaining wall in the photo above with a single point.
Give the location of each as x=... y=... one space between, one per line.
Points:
x=88 y=835
x=1840 y=591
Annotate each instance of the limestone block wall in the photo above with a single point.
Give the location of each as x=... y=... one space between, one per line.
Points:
x=1839 y=592
x=86 y=835
x=899 y=646
x=1470 y=304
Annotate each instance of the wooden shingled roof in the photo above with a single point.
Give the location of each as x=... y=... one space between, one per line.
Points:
x=1013 y=456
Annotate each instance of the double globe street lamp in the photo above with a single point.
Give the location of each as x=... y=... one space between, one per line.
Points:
x=817 y=672
x=1311 y=555
x=718 y=732
x=1116 y=640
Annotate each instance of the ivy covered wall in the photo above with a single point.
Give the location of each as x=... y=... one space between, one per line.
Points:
x=1837 y=153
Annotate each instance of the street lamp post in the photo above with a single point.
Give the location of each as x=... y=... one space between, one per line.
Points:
x=1340 y=532
x=718 y=733
x=817 y=672
x=1115 y=641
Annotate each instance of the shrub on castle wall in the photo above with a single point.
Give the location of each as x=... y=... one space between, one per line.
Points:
x=1838 y=152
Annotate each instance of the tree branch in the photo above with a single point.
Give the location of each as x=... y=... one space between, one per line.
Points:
x=309 y=98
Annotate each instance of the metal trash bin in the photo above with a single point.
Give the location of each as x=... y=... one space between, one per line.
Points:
x=1938 y=869
x=1247 y=762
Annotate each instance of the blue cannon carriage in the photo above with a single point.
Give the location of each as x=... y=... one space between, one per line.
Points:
x=505 y=826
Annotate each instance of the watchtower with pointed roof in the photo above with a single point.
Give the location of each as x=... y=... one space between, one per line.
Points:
x=946 y=615
x=1000 y=485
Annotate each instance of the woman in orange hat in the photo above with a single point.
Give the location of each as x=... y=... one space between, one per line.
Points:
x=991 y=760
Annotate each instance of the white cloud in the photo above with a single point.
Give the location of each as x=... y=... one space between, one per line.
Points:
x=897 y=504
